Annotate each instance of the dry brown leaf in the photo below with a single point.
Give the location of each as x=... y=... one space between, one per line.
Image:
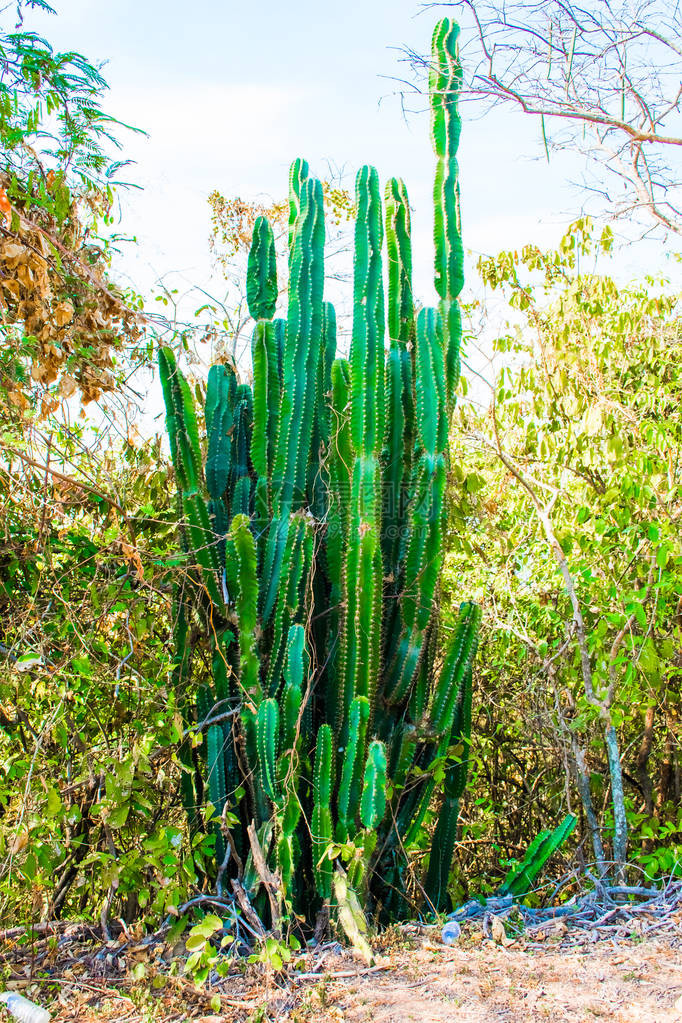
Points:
x=498 y=932
x=67 y=385
x=132 y=556
x=47 y=407
x=25 y=276
x=63 y=313
x=13 y=250
x=11 y=286
x=20 y=842
x=18 y=400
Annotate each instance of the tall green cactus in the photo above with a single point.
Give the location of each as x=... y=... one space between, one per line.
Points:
x=313 y=537
x=445 y=83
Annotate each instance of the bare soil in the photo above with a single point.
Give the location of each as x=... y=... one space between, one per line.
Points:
x=627 y=984
x=414 y=981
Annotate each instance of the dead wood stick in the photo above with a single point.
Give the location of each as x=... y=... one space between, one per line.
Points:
x=246 y=908
x=271 y=882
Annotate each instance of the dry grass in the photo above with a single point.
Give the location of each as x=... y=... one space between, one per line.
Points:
x=415 y=981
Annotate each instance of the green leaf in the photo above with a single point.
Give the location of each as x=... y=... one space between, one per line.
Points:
x=54 y=803
x=118 y=816
x=195 y=941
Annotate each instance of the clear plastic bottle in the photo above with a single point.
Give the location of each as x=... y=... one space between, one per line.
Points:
x=23 y=1010
x=450 y=933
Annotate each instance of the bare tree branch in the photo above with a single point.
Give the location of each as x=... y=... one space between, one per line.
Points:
x=604 y=79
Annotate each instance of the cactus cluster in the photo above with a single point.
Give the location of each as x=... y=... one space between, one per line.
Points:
x=327 y=696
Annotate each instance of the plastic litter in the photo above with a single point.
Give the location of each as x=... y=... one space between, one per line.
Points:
x=450 y=933
x=23 y=1010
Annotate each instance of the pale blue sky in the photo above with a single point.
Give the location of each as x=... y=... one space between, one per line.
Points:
x=231 y=92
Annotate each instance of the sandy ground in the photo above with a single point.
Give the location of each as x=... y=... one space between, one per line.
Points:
x=421 y=982
x=629 y=984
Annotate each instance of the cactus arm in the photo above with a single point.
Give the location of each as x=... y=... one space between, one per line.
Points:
x=181 y=421
x=425 y=544
x=261 y=518
x=292 y=800
x=266 y=397
x=321 y=825
x=516 y=877
x=265 y=360
x=458 y=659
x=363 y=576
x=400 y=307
x=241 y=499
x=246 y=605
x=295 y=674
x=373 y=801
x=367 y=343
x=280 y=326
x=285 y=862
x=393 y=464
x=321 y=829
x=261 y=275
x=216 y=780
x=341 y=467
x=302 y=347
x=243 y=426
x=298 y=173
x=361 y=636
x=318 y=468
x=402 y=756
x=520 y=878
x=400 y=416
x=445 y=834
x=220 y=524
x=322 y=774
x=422 y=568
x=460 y=738
x=431 y=417
x=351 y=772
x=220 y=669
x=299 y=386
x=216 y=769
x=446 y=125
x=267 y=728
x=296 y=671
x=412 y=813
x=289 y=608
x=440 y=858
x=219 y=424
x=186 y=454
x=422 y=687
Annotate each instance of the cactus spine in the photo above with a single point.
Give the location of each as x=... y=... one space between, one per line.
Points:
x=314 y=539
